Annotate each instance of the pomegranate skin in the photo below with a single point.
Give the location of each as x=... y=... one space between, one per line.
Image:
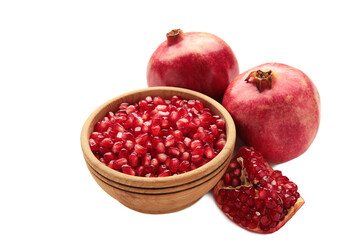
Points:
x=280 y=120
x=195 y=60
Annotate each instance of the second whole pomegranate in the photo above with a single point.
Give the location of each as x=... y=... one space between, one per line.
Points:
x=276 y=108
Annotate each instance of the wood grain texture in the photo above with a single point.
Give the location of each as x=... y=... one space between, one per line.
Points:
x=158 y=195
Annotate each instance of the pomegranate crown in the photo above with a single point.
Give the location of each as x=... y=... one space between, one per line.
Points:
x=262 y=80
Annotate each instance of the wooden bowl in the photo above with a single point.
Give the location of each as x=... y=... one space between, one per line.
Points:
x=166 y=194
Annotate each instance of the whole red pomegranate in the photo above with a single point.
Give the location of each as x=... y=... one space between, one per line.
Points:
x=199 y=61
x=276 y=108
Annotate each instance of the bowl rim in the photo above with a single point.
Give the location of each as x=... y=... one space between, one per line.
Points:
x=162 y=182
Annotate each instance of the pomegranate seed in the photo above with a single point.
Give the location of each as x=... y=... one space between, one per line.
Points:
x=165 y=173
x=282 y=180
x=161 y=137
x=181 y=147
x=162 y=157
x=160 y=148
x=164 y=132
x=191 y=103
x=145 y=116
x=127 y=136
x=182 y=112
x=291 y=186
x=200 y=136
x=196 y=159
x=133 y=159
x=209 y=152
x=169 y=141
x=276 y=174
x=178 y=135
x=148 y=99
x=128 y=170
x=117 y=164
x=109 y=156
x=120 y=119
x=173 y=151
x=140 y=149
x=198 y=105
x=195 y=143
x=214 y=129
x=123 y=153
x=117 y=147
x=93 y=145
x=103 y=150
x=158 y=101
x=220 y=123
x=155 y=162
x=129 y=145
x=182 y=123
x=205 y=118
x=187 y=142
x=174 y=164
x=143 y=104
x=174 y=116
x=140 y=171
x=106 y=143
x=155 y=130
x=198 y=151
x=110 y=115
x=146 y=160
x=142 y=139
x=184 y=165
x=110 y=164
x=102 y=126
x=165 y=123
x=118 y=128
x=95 y=135
x=130 y=109
x=146 y=127
x=185 y=156
x=128 y=123
x=174 y=99
x=196 y=121
x=138 y=122
x=163 y=108
x=220 y=143
x=123 y=106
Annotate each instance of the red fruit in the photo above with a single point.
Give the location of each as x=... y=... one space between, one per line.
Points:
x=117 y=164
x=254 y=196
x=199 y=61
x=128 y=170
x=277 y=110
x=173 y=139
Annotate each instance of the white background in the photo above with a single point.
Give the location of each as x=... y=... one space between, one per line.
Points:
x=59 y=60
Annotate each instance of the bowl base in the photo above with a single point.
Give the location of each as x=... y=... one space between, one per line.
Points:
x=178 y=208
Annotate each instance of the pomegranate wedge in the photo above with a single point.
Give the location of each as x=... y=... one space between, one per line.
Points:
x=254 y=196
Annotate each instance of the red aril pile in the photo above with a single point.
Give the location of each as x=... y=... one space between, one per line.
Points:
x=157 y=138
x=255 y=196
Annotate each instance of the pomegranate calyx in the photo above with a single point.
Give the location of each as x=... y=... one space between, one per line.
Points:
x=262 y=80
x=174 y=36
